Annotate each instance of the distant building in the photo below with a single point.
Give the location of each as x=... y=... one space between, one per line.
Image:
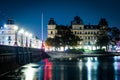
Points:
x=11 y=35
x=7 y=33
x=86 y=32
x=52 y=28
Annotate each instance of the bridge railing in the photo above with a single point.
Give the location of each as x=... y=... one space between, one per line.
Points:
x=14 y=56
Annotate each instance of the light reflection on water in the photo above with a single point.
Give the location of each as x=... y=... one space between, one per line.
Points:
x=29 y=72
x=116 y=65
x=89 y=68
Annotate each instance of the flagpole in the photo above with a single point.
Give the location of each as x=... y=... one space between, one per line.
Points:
x=42 y=26
x=42 y=46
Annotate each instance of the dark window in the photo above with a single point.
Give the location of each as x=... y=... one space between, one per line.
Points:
x=80 y=27
x=75 y=32
x=94 y=37
x=88 y=37
x=85 y=32
x=9 y=38
x=2 y=32
x=91 y=27
x=3 y=42
x=51 y=32
x=91 y=37
x=85 y=37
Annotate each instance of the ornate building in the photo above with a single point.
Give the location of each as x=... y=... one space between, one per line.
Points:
x=52 y=28
x=12 y=35
x=86 y=32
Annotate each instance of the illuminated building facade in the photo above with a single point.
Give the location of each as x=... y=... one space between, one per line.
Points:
x=11 y=35
x=85 y=32
x=52 y=28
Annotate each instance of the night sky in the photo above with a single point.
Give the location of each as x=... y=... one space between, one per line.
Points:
x=27 y=13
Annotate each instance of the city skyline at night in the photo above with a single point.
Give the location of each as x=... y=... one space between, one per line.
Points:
x=27 y=13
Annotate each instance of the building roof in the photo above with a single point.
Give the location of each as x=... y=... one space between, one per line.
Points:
x=51 y=21
x=91 y=27
x=10 y=21
x=77 y=20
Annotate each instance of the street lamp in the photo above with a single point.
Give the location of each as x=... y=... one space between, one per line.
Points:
x=15 y=29
x=30 y=36
x=21 y=32
x=26 y=34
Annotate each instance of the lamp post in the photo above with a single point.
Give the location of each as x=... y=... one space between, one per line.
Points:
x=21 y=32
x=26 y=34
x=30 y=36
x=15 y=29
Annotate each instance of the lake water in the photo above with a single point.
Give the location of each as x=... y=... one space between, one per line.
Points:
x=85 y=68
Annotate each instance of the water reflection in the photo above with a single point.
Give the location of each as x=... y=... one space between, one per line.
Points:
x=86 y=68
x=29 y=72
x=106 y=69
x=116 y=65
x=47 y=70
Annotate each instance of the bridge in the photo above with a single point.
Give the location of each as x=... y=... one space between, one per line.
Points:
x=12 y=57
